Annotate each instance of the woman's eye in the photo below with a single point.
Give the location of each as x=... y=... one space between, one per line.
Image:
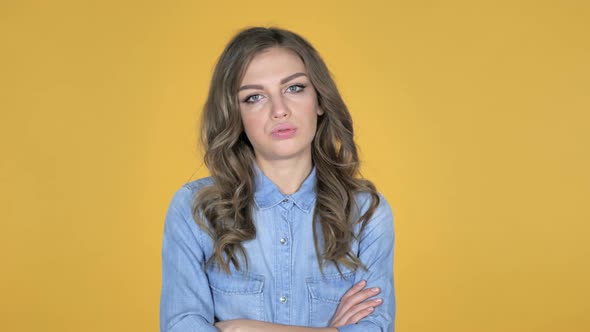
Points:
x=252 y=99
x=296 y=88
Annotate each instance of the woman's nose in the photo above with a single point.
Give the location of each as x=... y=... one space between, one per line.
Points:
x=279 y=108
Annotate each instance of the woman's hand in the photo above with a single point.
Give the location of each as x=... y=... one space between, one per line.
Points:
x=231 y=325
x=246 y=325
x=354 y=305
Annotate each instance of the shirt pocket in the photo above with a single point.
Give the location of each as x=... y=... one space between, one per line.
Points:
x=324 y=296
x=237 y=295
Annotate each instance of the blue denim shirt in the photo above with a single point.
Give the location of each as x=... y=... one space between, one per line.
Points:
x=283 y=284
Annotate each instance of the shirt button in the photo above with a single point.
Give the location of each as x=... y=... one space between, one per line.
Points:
x=283 y=241
x=285 y=200
x=283 y=299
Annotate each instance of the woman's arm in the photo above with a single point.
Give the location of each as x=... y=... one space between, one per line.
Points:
x=245 y=325
x=376 y=246
x=186 y=304
x=353 y=307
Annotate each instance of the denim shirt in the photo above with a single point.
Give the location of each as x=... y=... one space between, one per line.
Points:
x=283 y=283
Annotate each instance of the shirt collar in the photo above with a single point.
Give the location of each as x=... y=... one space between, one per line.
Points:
x=267 y=194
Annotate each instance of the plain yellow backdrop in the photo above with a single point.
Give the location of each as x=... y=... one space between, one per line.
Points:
x=472 y=118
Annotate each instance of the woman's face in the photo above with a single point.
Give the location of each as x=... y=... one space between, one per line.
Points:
x=278 y=106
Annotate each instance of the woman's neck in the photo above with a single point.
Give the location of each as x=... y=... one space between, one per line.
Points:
x=287 y=175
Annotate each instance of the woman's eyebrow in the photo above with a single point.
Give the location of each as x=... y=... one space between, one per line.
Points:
x=283 y=81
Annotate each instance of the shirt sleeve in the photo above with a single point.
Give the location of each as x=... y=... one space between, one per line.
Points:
x=376 y=246
x=186 y=303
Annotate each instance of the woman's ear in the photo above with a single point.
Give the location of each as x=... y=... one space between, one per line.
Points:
x=320 y=111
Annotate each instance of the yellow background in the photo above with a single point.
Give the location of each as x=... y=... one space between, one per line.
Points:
x=471 y=116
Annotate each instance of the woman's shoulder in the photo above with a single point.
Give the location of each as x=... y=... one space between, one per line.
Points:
x=180 y=215
x=382 y=217
x=196 y=185
x=183 y=198
x=364 y=199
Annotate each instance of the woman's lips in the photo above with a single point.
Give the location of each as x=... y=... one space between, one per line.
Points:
x=283 y=131
x=284 y=134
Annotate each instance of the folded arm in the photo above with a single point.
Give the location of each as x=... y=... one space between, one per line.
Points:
x=376 y=246
x=359 y=309
x=353 y=307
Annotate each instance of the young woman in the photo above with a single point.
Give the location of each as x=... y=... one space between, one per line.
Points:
x=284 y=235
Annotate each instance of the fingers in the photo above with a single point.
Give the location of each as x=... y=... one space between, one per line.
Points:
x=360 y=311
x=345 y=304
x=354 y=289
x=359 y=315
x=353 y=305
x=355 y=296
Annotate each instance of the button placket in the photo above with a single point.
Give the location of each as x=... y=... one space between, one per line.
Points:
x=283 y=313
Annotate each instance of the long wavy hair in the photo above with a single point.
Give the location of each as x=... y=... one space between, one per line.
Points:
x=224 y=209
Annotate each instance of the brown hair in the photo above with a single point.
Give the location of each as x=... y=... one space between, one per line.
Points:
x=224 y=209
